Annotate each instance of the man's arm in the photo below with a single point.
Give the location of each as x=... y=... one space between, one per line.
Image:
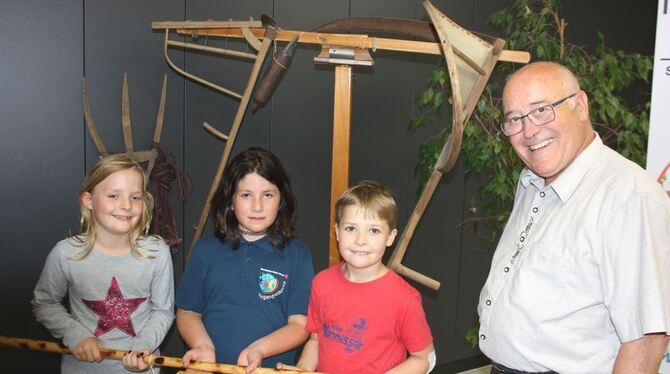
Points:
x=643 y=355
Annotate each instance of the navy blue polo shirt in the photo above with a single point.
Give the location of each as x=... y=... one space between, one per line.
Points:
x=247 y=293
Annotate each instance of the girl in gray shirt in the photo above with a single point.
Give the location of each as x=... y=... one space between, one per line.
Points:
x=118 y=281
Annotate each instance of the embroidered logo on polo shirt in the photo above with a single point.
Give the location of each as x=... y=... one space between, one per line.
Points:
x=271 y=284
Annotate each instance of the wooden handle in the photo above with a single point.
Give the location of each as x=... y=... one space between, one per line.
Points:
x=417 y=277
x=155 y=360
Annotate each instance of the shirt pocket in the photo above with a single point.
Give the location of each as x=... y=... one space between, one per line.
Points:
x=561 y=280
x=540 y=282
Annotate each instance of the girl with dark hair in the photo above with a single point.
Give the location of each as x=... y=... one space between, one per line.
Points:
x=244 y=294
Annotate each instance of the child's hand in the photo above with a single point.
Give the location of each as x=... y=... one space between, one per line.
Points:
x=281 y=366
x=250 y=358
x=134 y=361
x=199 y=354
x=88 y=350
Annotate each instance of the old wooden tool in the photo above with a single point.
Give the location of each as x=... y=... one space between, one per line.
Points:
x=470 y=60
x=148 y=155
x=152 y=360
x=469 y=71
x=253 y=41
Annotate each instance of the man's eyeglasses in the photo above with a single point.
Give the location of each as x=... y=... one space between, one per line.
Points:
x=538 y=117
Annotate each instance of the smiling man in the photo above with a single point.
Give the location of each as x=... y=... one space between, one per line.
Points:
x=580 y=281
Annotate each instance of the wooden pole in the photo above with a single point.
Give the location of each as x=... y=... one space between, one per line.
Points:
x=348 y=40
x=341 y=139
x=152 y=360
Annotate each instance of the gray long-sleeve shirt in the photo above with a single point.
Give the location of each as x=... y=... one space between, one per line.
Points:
x=126 y=301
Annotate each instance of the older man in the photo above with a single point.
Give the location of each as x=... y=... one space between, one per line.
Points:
x=580 y=281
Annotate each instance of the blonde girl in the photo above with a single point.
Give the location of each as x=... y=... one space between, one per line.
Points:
x=117 y=279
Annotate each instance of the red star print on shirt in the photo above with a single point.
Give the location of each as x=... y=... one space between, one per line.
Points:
x=114 y=310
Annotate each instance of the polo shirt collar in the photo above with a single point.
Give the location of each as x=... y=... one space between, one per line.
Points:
x=264 y=244
x=566 y=183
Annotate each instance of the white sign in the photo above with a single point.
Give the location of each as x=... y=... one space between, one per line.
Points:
x=658 y=152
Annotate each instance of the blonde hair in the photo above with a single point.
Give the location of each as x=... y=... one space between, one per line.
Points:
x=103 y=168
x=372 y=198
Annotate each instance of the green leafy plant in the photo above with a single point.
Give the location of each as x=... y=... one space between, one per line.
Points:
x=605 y=74
x=472 y=336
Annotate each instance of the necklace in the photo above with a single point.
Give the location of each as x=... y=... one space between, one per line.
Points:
x=244 y=231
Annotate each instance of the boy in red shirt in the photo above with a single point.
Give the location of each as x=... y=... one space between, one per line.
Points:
x=363 y=317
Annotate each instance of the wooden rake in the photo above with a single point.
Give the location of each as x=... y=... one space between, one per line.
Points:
x=470 y=61
x=139 y=156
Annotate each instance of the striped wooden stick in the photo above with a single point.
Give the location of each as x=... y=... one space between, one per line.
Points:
x=154 y=360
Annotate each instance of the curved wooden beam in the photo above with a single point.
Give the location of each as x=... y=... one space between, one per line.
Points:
x=192 y=76
x=464 y=97
x=99 y=145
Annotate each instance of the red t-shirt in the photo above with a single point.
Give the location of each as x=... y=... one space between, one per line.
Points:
x=365 y=327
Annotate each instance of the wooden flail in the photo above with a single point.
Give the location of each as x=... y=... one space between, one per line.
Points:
x=470 y=61
x=148 y=155
x=151 y=360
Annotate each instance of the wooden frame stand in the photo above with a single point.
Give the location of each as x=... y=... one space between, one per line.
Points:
x=343 y=58
x=470 y=60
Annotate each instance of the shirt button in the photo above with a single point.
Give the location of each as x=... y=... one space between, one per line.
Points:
x=506 y=269
x=542 y=194
x=248 y=259
x=488 y=302
x=482 y=337
x=522 y=238
x=535 y=210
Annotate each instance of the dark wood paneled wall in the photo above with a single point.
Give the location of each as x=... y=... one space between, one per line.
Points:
x=47 y=47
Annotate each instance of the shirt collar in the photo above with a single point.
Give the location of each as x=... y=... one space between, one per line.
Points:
x=264 y=244
x=566 y=183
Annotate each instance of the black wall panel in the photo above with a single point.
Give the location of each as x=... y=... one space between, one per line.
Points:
x=118 y=39
x=41 y=155
x=47 y=47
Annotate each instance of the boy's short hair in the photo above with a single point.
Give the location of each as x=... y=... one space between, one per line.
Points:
x=372 y=198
